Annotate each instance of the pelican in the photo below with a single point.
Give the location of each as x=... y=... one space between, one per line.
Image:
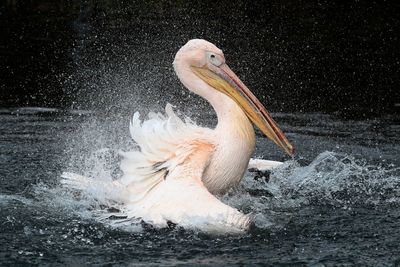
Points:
x=180 y=167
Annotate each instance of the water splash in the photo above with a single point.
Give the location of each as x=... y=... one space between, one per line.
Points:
x=337 y=179
x=332 y=179
x=7 y=199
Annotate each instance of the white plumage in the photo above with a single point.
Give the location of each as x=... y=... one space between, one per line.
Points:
x=163 y=180
x=172 y=158
x=178 y=165
x=165 y=142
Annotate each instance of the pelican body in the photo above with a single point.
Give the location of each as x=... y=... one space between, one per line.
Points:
x=180 y=166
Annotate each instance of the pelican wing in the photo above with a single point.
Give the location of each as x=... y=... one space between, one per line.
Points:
x=164 y=178
x=165 y=142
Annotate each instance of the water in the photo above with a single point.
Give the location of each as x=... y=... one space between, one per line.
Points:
x=337 y=203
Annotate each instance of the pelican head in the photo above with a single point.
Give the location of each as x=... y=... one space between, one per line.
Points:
x=201 y=67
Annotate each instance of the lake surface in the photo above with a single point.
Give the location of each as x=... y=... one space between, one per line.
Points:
x=336 y=203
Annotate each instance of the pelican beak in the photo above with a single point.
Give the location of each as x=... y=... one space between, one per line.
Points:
x=223 y=79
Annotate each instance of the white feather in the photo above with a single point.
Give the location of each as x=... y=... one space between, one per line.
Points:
x=163 y=179
x=263 y=165
x=164 y=142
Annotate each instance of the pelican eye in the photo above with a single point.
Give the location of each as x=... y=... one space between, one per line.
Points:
x=214 y=59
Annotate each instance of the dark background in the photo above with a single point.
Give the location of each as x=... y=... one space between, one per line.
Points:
x=297 y=56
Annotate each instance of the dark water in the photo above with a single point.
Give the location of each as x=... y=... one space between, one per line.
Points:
x=297 y=55
x=338 y=203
